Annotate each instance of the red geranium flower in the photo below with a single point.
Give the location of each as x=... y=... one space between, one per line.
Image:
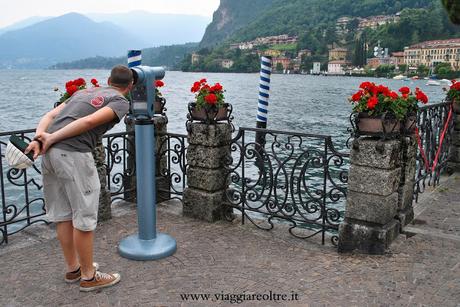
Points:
x=216 y=88
x=159 y=83
x=211 y=99
x=94 y=82
x=420 y=96
x=203 y=81
x=372 y=102
x=393 y=95
x=357 y=96
x=68 y=84
x=196 y=87
x=404 y=90
x=72 y=89
x=79 y=82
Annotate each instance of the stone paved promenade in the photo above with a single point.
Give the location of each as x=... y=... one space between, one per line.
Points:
x=421 y=269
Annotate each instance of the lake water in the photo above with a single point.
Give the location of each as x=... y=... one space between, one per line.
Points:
x=313 y=104
x=310 y=104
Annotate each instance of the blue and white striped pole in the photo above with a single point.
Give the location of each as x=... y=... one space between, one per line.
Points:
x=134 y=58
x=264 y=91
x=264 y=95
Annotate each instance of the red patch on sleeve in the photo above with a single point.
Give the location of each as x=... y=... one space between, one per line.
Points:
x=97 y=102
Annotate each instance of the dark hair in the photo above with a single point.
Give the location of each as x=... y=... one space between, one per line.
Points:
x=121 y=76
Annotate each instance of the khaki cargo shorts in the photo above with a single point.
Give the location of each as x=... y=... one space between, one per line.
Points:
x=71 y=188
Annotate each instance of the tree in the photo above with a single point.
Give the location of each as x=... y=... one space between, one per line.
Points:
x=279 y=67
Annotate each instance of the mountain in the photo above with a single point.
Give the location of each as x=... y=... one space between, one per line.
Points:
x=23 y=23
x=167 y=56
x=64 y=38
x=231 y=16
x=314 y=22
x=158 y=29
x=297 y=16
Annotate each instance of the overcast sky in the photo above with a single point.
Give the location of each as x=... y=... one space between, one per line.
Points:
x=12 y=11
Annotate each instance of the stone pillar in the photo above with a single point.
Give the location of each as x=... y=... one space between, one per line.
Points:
x=372 y=201
x=407 y=182
x=105 y=200
x=129 y=182
x=161 y=154
x=454 y=151
x=209 y=148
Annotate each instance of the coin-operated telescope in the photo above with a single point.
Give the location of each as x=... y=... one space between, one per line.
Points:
x=147 y=244
x=143 y=93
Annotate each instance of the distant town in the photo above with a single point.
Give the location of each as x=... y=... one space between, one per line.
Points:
x=420 y=59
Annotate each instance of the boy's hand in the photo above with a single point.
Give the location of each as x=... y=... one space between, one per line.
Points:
x=34 y=146
x=47 y=141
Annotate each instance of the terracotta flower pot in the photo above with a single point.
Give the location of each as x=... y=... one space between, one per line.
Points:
x=377 y=125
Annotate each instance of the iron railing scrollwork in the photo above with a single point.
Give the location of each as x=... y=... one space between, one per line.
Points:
x=432 y=158
x=22 y=202
x=296 y=178
x=171 y=165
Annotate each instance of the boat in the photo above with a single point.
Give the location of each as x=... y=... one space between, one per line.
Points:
x=445 y=82
x=433 y=82
x=415 y=78
x=399 y=77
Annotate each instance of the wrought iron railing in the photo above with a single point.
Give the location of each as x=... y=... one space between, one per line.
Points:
x=296 y=178
x=171 y=165
x=22 y=202
x=434 y=136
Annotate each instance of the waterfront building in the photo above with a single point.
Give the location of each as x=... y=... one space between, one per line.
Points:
x=286 y=62
x=431 y=53
x=226 y=63
x=316 y=68
x=195 y=58
x=396 y=59
x=337 y=67
x=338 y=54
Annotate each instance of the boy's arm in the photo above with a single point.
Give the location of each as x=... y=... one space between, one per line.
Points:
x=44 y=123
x=81 y=125
x=48 y=118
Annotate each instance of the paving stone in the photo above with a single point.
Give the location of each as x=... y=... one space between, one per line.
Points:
x=416 y=270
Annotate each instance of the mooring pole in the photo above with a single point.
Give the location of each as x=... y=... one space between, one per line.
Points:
x=262 y=107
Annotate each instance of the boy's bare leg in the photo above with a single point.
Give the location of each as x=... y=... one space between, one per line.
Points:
x=83 y=241
x=65 y=236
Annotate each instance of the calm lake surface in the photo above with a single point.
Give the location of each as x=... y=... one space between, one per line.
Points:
x=313 y=104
